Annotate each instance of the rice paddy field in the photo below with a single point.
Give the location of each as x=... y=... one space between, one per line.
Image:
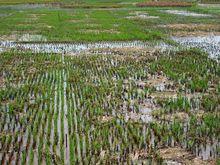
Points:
x=109 y=82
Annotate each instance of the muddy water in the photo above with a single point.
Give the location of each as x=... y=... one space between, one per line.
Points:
x=210 y=44
x=78 y=47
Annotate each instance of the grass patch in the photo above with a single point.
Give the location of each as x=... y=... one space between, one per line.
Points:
x=62 y=25
x=69 y=25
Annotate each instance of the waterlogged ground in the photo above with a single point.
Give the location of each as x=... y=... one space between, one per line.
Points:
x=109 y=108
x=186 y=13
x=209 y=44
x=140 y=88
x=76 y=48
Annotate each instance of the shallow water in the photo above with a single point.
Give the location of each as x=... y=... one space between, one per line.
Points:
x=146 y=116
x=185 y=13
x=114 y=137
x=207 y=151
x=4 y=15
x=25 y=6
x=210 y=44
x=78 y=47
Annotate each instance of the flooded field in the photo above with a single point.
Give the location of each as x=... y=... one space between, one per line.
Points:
x=103 y=82
x=75 y=48
x=64 y=109
x=210 y=44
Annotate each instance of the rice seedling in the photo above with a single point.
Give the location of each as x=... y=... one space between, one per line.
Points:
x=104 y=102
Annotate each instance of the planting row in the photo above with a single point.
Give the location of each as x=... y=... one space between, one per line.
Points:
x=108 y=108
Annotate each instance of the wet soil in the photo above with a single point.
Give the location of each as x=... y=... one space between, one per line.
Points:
x=160 y=82
x=178 y=155
x=174 y=155
x=138 y=154
x=125 y=51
